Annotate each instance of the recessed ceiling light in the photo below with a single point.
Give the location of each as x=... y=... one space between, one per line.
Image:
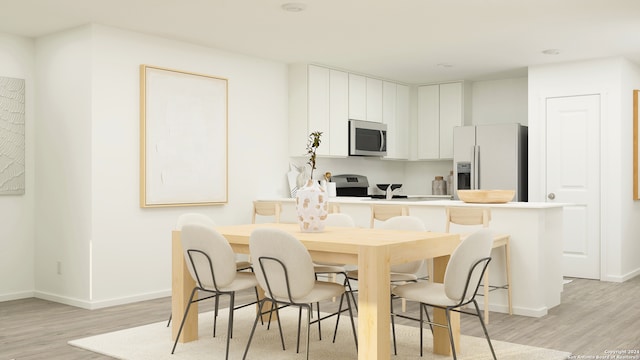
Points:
x=444 y=65
x=294 y=7
x=551 y=52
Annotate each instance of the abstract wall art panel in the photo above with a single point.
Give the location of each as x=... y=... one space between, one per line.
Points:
x=12 y=136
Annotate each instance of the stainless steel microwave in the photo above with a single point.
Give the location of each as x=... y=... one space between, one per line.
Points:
x=367 y=138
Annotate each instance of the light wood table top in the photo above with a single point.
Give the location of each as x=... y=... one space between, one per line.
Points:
x=372 y=250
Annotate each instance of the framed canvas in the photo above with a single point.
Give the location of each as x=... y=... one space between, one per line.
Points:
x=183 y=138
x=636 y=156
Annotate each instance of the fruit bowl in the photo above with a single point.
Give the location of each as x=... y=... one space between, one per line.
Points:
x=486 y=196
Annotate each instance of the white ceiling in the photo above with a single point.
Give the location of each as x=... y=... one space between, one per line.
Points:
x=402 y=40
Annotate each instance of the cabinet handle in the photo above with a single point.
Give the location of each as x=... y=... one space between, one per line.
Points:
x=551 y=196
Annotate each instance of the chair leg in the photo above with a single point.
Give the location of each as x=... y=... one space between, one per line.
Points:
x=421 y=308
x=169 y=322
x=426 y=311
x=353 y=324
x=309 y=328
x=486 y=296
x=338 y=316
x=453 y=345
x=484 y=328
x=215 y=315
x=347 y=283
x=230 y=325
x=253 y=329
x=319 y=328
x=393 y=328
x=184 y=318
x=275 y=304
x=507 y=260
x=299 y=325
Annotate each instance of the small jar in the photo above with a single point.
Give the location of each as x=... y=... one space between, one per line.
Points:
x=438 y=186
x=450 y=183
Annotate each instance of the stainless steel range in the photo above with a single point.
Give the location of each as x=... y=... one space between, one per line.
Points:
x=351 y=185
x=358 y=185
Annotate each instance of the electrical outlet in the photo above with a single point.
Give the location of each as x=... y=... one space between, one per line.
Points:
x=59 y=267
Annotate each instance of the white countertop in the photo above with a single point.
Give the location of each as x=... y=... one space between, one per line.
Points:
x=437 y=202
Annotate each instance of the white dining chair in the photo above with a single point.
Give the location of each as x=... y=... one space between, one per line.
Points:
x=285 y=272
x=462 y=278
x=204 y=220
x=481 y=216
x=212 y=265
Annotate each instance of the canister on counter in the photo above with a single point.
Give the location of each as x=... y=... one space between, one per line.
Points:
x=438 y=186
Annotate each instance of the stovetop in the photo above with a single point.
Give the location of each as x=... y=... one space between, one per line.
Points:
x=385 y=196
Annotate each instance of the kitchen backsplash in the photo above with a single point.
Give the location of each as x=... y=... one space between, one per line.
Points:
x=415 y=176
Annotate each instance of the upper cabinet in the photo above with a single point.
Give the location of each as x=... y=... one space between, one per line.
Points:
x=365 y=98
x=318 y=101
x=395 y=113
x=441 y=107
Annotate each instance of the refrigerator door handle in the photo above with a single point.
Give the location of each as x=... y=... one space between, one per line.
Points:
x=475 y=172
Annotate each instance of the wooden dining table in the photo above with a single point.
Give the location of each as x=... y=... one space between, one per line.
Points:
x=372 y=250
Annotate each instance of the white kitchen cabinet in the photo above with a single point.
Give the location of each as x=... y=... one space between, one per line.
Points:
x=357 y=97
x=441 y=107
x=365 y=98
x=318 y=101
x=395 y=113
x=374 y=99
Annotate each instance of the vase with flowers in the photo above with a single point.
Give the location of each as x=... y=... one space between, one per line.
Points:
x=311 y=200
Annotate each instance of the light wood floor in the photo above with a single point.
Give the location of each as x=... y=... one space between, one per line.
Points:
x=594 y=317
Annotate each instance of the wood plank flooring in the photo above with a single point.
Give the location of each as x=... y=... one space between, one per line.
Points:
x=594 y=317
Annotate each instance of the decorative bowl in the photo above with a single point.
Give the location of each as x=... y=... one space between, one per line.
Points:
x=486 y=196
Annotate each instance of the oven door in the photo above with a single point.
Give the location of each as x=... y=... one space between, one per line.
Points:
x=367 y=138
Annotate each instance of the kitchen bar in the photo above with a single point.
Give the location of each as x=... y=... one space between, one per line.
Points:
x=536 y=231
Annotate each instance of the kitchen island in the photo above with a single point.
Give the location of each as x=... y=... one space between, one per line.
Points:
x=536 y=244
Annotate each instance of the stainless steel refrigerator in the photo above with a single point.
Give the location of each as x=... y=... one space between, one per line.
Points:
x=491 y=157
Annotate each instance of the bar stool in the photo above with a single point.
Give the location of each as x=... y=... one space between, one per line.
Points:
x=463 y=215
x=384 y=212
x=266 y=208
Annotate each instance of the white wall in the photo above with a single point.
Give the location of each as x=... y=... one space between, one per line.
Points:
x=499 y=101
x=605 y=77
x=63 y=161
x=630 y=209
x=111 y=250
x=16 y=211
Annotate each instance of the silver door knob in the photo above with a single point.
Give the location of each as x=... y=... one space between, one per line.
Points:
x=551 y=196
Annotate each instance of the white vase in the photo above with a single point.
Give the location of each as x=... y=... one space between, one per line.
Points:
x=312 y=207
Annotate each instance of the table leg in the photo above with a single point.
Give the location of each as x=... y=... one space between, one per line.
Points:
x=374 y=335
x=181 y=286
x=441 y=344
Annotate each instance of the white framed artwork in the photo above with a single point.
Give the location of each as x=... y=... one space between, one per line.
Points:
x=183 y=138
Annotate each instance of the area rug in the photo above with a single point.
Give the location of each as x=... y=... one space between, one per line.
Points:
x=153 y=342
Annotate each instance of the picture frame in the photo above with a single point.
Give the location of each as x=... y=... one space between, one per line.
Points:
x=183 y=138
x=636 y=155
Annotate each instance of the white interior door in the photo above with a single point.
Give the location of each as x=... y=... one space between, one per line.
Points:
x=573 y=177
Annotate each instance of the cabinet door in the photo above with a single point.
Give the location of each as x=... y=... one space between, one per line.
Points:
x=318 y=112
x=339 y=113
x=389 y=93
x=450 y=116
x=357 y=97
x=428 y=136
x=402 y=122
x=374 y=100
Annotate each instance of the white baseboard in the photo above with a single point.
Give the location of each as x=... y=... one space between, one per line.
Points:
x=93 y=305
x=622 y=278
x=16 y=296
